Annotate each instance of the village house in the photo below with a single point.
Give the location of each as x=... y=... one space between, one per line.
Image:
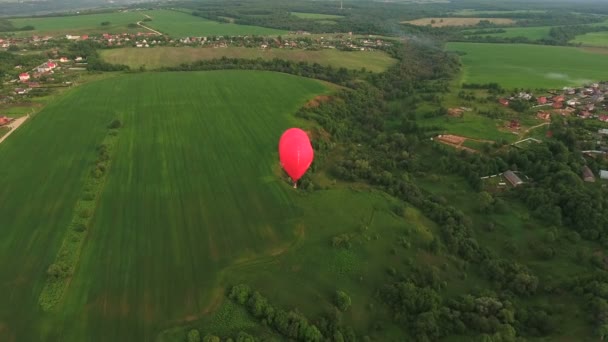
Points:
x=541 y=100
x=603 y=118
x=543 y=115
x=64 y=60
x=585 y=114
x=603 y=174
x=557 y=105
x=588 y=175
x=512 y=178
x=23 y=77
x=4 y=120
x=503 y=101
x=21 y=91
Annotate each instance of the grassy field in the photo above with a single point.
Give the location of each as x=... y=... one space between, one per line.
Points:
x=315 y=16
x=598 y=39
x=532 y=33
x=440 y=22
x=179 y=24
x=80 y=24
x=186 y=173
x=169 y=56
x=529 y=66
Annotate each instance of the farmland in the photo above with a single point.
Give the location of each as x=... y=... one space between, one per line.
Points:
x=204 y=165
x=473 y=12
x=167 y=56
x=80 y=24
x=529 y=66
x=180 y=24
x=441 y=22
x=315 y=16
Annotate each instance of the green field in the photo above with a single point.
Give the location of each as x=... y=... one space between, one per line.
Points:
x=529 y=66
x=599 y=39
x=532 y=33
x=169 y=56
x=315 y=16
x=179 y=24
x=80 y=24
x=193 y=187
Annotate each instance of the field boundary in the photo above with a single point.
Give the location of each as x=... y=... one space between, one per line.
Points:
x=60 y=272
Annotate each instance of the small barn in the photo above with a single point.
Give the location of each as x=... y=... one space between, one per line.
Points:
x=588 y=175
x=512 y=178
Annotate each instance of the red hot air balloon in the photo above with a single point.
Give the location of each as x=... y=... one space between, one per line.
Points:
x=295 y=153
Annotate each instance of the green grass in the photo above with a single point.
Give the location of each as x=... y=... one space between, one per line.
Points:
x=192 y=188
x=179 y=24
x=315 y=16
x=170 y=56
x=599 y=39
x=80 y=24
x=532 y=33
x=529 y=66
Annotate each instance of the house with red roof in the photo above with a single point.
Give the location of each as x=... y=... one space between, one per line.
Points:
x=557 y=105
x=603 y=118
x=51 y=64
x=24 y=77
x=541 y=100
x=558 y=98
x=4 y=120
x=503 y=101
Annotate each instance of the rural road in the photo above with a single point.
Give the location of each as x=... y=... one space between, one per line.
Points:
x=147 y=28
x=13 y=126
x=533 y=127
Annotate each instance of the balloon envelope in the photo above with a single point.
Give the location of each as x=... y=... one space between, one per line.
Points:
x=295 y=152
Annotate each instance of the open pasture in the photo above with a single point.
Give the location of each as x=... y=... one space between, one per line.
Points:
x=180 y=24
x=474 y=12
x=81 y=24
x=595 y=39
x=529 y=66
x=453 y=21
x=170 y=56
x=193 y=188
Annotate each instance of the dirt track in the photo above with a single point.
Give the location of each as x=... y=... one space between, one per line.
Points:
x=13 y=126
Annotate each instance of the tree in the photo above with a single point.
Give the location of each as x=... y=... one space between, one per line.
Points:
x=211 y=338
x=485 y=201
x=342 y=300
x=105 y=23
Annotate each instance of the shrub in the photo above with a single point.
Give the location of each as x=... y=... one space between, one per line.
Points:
x=342 y=300
x=194 y=336
x=115 y=124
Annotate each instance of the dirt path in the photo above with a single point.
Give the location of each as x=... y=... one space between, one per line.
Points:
x=13 y=126
x=533 y=127
x=147 y=28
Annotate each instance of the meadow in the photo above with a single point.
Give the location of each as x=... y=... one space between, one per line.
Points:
x=597 y=39
x=532 y=33
x=80 y=24
x=180 y=24
x=529 y=66
x=315 y=16
x=185 y=175
x=474 y=12
x=153 y=58
x=441 y=22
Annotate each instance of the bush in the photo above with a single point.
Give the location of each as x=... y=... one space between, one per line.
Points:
x=132 y=25
x=194 y=336
x=105 y=23
x=342 y=300
x=115 y=124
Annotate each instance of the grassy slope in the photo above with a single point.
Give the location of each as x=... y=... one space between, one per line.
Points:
x=192 y=189
x=315 y=16
x=179 y=24
x=168 y=56
x=529 y=66
x=79 y=24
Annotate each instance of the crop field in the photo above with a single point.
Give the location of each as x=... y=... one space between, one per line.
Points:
x=529 y=66
x=180 y=24
x=473 y=12
x=315 y=16
x=375 y=61
x=599 y=39
x=441 y=22
x=193 y=188
x=80 y=24
x=532 y=33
